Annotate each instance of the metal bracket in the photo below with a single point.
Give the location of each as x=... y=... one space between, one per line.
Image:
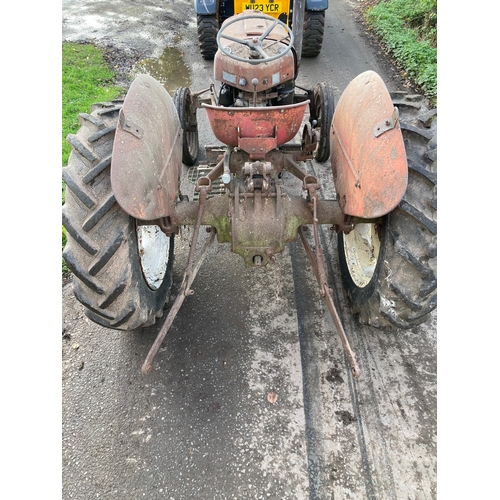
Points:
x=387 y=124
x=257 y=147
x=129 y=126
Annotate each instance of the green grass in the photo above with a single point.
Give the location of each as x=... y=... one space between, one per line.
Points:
x=86 y=79
x=408 y=29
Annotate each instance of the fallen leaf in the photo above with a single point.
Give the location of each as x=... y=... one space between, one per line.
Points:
x=272 y=397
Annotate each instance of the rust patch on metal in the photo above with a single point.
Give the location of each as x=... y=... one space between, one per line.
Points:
x=230 y=125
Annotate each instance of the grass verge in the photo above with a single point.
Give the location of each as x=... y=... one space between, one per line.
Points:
x=408 y=30
x=86 y=79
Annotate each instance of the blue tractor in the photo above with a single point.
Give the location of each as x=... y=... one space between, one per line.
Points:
x=212 y=13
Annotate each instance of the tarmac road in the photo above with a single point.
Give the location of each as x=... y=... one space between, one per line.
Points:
x=200 y=425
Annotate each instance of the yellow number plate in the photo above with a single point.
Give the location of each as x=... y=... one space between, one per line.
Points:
x=266 y=7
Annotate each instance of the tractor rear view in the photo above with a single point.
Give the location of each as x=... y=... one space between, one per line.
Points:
x=124 y=207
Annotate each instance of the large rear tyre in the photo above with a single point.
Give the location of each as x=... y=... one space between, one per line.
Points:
x=389 y=269
x=207 y=35
x=312 y=38
x=122 y=271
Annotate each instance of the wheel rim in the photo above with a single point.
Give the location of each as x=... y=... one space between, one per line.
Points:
x=154 y=251
x=361 y=249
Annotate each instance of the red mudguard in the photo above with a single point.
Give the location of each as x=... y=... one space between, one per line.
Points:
x=367 y=150
x=147 y=151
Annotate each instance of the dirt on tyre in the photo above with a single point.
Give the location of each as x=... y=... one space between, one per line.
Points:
x=312 y=38
x=208 y=28
x=388 y=268
x=122 y=271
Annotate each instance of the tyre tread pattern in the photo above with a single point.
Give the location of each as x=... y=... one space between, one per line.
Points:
x=80 y=193
x=207 y=35
x=314 y=28
x=410 y=293
x=99 y=213
x=106 y=254
x=101 y=249
x=99 y=168
x=405 y=281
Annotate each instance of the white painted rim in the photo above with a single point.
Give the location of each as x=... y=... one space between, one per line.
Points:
x=154 y=251
x=362 y=248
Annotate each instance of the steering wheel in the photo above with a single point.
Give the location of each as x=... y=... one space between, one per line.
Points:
x=255 y=44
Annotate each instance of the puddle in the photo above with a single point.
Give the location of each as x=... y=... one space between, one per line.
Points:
x=169 y=69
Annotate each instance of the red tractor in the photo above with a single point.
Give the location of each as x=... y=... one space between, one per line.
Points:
x=124 y=207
